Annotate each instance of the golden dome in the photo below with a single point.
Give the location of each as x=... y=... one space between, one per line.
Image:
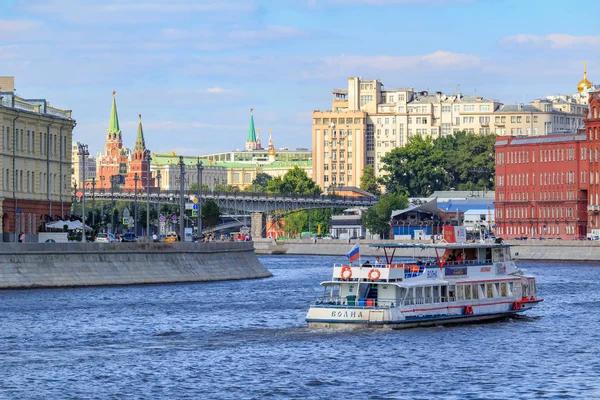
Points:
x=584 y=84
x=272 y=152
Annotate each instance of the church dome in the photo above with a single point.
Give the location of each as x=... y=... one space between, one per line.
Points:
x=584 y=83
x=272 y=152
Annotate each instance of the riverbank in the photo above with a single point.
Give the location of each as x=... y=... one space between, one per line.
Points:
x=551 y=250
x=27 y=265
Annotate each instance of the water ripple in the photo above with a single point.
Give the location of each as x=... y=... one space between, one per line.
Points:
x=248 y=340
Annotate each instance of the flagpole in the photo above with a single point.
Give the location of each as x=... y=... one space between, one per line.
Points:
x=359 y=273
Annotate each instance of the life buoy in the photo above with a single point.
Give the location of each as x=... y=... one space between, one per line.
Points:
x=517 y=305
x=414 y=268
x=374 y=274
x=346 y=273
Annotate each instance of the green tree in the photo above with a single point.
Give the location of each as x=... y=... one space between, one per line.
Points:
x=211 y=213
x=377 y=217
x=462 y=161
x=368 y=181
x=295 y=181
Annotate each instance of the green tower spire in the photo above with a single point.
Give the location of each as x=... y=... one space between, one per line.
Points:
x=140 y=143
x=113 y=125
x=251 y=130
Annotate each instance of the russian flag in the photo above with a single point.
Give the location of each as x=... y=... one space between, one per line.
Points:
x=354 y=253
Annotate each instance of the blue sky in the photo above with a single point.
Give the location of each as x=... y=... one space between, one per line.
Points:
x=193 y=69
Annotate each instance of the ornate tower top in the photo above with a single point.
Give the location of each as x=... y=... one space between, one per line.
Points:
x=113 y=125
x=251 y=139
x=140 y=143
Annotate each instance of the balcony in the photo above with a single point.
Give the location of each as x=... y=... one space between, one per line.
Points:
x=593 y=208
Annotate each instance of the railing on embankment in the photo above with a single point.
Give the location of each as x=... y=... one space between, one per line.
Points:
x=26 y=265
x=558 y=250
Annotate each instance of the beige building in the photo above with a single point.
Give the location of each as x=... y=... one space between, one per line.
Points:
x=77 y=165
x=366 y=121
x=35 y=161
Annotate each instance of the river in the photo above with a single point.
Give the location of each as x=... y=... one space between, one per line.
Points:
x=248 y=340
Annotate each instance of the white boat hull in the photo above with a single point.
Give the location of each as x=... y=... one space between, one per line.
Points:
x=396 y=318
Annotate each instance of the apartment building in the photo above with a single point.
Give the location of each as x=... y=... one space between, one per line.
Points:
x=366 y=121
x=35 y=161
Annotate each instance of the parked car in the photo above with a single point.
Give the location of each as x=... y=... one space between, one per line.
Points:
x=171 y=237
x=129 y=237
x=105 y=238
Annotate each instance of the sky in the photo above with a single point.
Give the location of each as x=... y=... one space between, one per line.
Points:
x=194 y=69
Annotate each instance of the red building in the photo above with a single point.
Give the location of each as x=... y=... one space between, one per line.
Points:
x=548 y=186
x=592 y=130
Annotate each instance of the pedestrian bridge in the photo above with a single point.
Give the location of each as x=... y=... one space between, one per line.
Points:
x=248 y=203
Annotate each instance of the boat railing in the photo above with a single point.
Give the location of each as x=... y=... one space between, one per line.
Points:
x=352 y=301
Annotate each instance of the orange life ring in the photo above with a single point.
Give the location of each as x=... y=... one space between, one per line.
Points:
x=374 y=274
x=346 y=273
x=414 y=268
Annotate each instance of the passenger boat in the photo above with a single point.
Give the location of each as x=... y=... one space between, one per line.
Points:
x=449 y=284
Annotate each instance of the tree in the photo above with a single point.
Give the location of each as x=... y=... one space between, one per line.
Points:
x=377 y=217
x=211 y=213
x=261 y=181
x=368 y=181
x=295 y=181
x=462 y=161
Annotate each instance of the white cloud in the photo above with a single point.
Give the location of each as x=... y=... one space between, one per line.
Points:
x=18 y=30
x=216 y=90
x=553 y=40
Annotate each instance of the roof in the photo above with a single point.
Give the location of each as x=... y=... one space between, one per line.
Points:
x=443 y=195
x=113 y=125
x=511 y=108
x=140 y=143
x=558 y=138
x=430 y=207
x=251 y=130
x=465 y=205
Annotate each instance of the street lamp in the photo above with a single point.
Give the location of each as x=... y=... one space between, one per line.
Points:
x=158 y=176
x=199 y=166
x=136 y=178
x=102 y=203
x=181 y=199
x=93 y=201
x=148 y=158
x=83 y=153
x=112 y=197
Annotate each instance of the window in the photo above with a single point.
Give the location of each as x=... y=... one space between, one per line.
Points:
x=484 y=108
x=370 y=137
x=469 y=108
x=446 y=109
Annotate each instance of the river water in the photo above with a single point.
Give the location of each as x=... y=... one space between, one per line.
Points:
x=248 y=340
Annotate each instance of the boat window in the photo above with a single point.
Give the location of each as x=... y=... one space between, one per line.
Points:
x=490 y=291
x=460 y=292
x=419 y=295
x=498 y=255
x=496 y=289
x=507 y=254
x=429 y=294
x=451 y=293
x=436 y=294
x=335 y=290
x=482 y=290
x=511 y=288
x=488 y=255
x=532 y=286
x=444 y=296
x=467 y=292
x=503 y=289
x=475 y=292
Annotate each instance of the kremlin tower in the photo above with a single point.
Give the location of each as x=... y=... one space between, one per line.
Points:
x=114 y=159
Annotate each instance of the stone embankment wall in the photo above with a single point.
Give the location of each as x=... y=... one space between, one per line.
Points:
x=523 y=250
x=26 y=265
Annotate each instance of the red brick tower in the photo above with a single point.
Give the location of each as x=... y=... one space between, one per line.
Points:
x=592 y=131
x=114 y=159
